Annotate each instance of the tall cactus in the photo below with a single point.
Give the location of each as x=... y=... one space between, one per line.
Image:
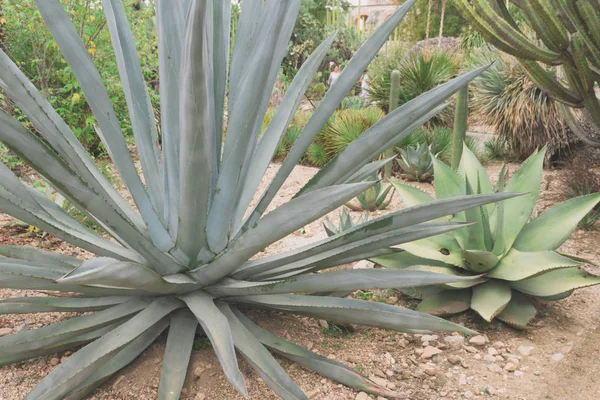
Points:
x=394 y=99
x=569 y=37
x=460 y=126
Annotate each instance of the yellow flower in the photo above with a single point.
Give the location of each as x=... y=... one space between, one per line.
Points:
x=92 y=50
x=75 y=99
x=2 y=20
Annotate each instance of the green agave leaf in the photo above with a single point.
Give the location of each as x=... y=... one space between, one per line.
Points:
x=170 y=21
x=64 y=330
x=368 y=170
x=69 y=375
x=328 y=105
x=90 y=81
x=270 y=139
x=27 y=305
x=177 y=354
x=556 y=282
x=39 y=256
x=198 y=165
x=444 y=248
x=471 y=168
x=411 y=196
x=276 y=225
x=124 y=357
x=446 y=303
x=470 y=281
x=449 y=184
x=517 y=211
x=490 y=299
x=517 y=265
x=261 y=360
x=479 y=261
x=322 y=365
x=216 y=326
x=348 y=281
x=138 y=101
x=552 y=228
x=351 y=311
x=404 y=259
x=476 y=233
x=519 y=311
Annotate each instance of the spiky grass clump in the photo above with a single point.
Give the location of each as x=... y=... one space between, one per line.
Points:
x=185 y=255
x=346 y=126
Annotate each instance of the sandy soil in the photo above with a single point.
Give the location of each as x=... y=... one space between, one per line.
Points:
x=570 y=327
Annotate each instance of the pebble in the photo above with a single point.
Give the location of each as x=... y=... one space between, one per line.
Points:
x=470 y=349
x=364 y=264
x=488 y=358
x=379 y=381
x=478 y=340
x=431 y=371
x=519 y=374
x=54 y=362
x=537 y=373
x=429 y=352
x=558 y=357
x=312 y=394
x=324 y=324
x=391 y=300
x=429 y=338
x=455 y=342
x=389 y=373
x=353 y=359
x=498 y=345
x=492 y=351
x=462 y=379
x=495 y=368
x=469 y=395
x=567 y=348
x=5 y=331
x=379 y=373
x=198 y=372
x=525 y=350
x=510 y=367
x=200 y=396
x=453 y=359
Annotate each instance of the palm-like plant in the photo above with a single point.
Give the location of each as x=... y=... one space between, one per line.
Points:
x=184 y=255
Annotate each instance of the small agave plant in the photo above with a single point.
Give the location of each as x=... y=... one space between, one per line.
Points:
x=184 y=256
x=373 y=199
x=513 y=258
x=416 y=163
x=345 y=223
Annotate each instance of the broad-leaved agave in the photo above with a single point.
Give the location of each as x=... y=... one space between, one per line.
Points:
x=374 y=198
x=184 y=255
x=345 y=223
x=416 y=163
x=515 y=258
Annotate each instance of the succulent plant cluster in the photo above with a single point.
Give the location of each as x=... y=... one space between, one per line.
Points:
x=569 y=36
x=512 y=257
x=374 y=198
x=416 y=163
x=346 y=223
x=184 y=255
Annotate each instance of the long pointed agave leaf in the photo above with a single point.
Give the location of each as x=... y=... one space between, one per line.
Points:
x=247 y=115
x=328 y=105
x=177 y=354
x=73 y=372
x=129 y=353
x=198 y=164
x=138 y=101
x=76 y=54
x=261 y=360
x=306 y=358
x=27 y=305
x=217 y=328
x=351 y=311
x=38 y=256
x=272 y=135
x=170 y=18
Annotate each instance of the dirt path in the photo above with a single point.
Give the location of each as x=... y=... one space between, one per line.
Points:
x=570 y=327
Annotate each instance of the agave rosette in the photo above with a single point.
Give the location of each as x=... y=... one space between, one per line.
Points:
x=184 y=256
x=345 y=223
x=416 y=163
x=514 y=258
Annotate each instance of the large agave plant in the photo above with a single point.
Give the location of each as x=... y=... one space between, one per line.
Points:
x=183 y=256
x=514 y=258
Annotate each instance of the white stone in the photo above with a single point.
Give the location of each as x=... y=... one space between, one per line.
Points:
x=479 y=340
x=558 y=357
x=525 y=350
x=364 y=264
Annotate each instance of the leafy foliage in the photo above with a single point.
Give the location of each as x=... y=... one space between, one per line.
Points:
x=184 y=256
x=511 y=257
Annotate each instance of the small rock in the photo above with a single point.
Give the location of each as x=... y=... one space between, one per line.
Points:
x=429 y=352
x=364 y=264
x=379 y=373
x=429 y=338
x=510 y=367
x=54 y=362
x=389 y=360
x=488 y=358
x=453 y=359
x=494 y=368
x=525 y=350
x=477 y=356
x=455 y=342
x=362 y=396
x=510 y=356
x=567 y=348
x=469 y=395
x=478 y=340
x=312 y=394
x=353 y=359
x=310 y=345
x=324 y=324
x=5 y=331
x=492 y=351
x=391 y=300
x=470 y=349
x=519 y=374
x=498 y=345
x=558 y=357
x=198 y=372
x=380 y=381
x=389 y=373
x=200 y=396
x=431 y=371
x=462 y=379
x=537 y=373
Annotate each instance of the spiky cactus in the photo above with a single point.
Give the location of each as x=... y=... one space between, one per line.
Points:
x=569 y=37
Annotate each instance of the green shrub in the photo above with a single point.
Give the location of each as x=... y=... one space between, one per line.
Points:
x=346 y=125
